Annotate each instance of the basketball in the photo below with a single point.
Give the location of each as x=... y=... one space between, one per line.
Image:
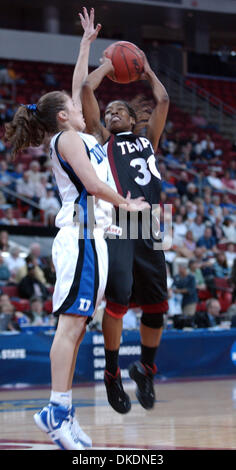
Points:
x=127 y=60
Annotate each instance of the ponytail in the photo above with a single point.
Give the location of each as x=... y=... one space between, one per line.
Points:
x=31 y=122
x=25 y=130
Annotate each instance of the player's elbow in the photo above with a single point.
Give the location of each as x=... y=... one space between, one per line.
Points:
x=164 y=98
x=86 y=86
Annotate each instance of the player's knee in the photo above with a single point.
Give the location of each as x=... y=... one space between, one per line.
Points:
x=116 y=310
x=153 y=320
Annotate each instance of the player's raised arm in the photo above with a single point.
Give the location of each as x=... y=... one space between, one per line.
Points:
x=81 y=67
x=90 y=105
x=158 y=117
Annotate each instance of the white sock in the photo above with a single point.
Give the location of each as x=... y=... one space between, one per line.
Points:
x=62 y=398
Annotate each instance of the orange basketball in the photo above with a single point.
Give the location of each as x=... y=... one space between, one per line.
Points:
x=127 y=60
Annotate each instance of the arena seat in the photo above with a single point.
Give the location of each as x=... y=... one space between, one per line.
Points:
x=48 y=306
x=12 y=291
x=22 y=305
x=222 y=284
x=204 y=294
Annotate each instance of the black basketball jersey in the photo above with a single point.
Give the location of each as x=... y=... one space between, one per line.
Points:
x=133 y=166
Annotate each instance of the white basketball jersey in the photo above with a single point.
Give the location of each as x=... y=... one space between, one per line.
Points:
x=74 y=196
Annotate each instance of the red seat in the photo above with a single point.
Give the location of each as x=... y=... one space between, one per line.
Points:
x=225 y=299
x=12 y=291
x=204 y=294
x=222 y=284
x=22 y=305
x=48 y=306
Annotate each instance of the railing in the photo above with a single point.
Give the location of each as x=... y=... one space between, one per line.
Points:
x=186 y=88
x=16 y=195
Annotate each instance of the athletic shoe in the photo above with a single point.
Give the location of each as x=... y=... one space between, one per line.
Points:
x=85 y=440
x=55 y=420
x=118 y=399
x=143 y=376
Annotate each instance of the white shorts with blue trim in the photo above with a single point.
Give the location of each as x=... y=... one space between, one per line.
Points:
x=81 y=265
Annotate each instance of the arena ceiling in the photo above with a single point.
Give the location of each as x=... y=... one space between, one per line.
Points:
x=117 y=18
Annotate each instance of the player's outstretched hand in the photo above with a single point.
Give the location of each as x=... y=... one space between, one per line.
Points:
x=134 y=205
x=87 y=21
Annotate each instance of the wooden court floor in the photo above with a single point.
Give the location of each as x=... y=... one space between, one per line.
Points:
x=187 y=415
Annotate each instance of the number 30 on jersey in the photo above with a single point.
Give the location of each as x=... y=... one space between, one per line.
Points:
x=147 y=168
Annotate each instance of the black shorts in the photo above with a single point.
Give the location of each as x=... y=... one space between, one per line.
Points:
x=136 y=276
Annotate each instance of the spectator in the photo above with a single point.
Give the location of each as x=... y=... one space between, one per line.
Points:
x=11 y=109
x=50 y=205
x=197 y=227
x=192 y=191
x=37 y=315
x=31 y=190
x=9 y=219
x=4 y=241
x=2 y=114
x=49 y=272
x=207 y=241
x=199 y=120
x=35 y=251
x=228 y=181
x=5 y=78
x=179 y=230
x=188 y=246
x=229 y=229
x=30 y=286
x=18 y=172
x=207 y=149
x=14 y=261
x=15 y=77
x=191 y=212
x=34 y=172
x=168 y=186
x=230 y=254
x=216 y=183
x=24 y=186
x=217 y=230
x=22 y=272
x=232 y=169
x=49 y=79
x=211 y=317
x=182 y=184
x=185 y=284
x=7 y=314
x=207 y=204
x=220 y=266
x=211 y=217
x=228 y=204
x=5 y=176
x=4 y=271
x=194 y=269
x=216 y=206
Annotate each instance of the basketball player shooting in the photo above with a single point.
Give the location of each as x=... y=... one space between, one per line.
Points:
x=137 y=272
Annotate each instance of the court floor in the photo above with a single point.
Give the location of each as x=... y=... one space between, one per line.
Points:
x=187 y=415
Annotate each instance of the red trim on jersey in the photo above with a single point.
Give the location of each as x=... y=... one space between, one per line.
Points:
x=116 y=310
x=111 y=159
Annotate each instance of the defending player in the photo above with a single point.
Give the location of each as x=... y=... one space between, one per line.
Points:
x=79 y=259
x=136 y=272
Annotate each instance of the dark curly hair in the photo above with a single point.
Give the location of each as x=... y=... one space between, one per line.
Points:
x=31 y=123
